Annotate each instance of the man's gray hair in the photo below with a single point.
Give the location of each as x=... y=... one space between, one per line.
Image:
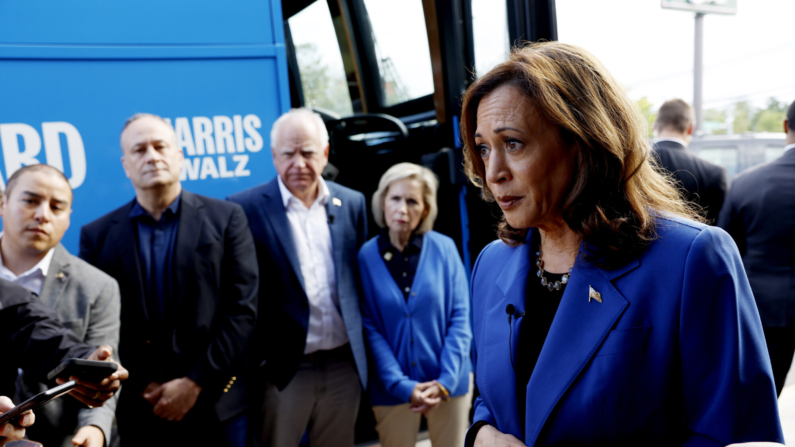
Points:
x=304 y=113
x=403 y=171
x=138 y=116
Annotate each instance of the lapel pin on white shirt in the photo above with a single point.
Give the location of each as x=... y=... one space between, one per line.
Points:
x=61 y=276
x=336 y=201
x=593 y=294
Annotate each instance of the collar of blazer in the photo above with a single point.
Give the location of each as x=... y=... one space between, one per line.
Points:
x=554 y=373
x=57 y=277
x=191 y=221
x=273 y=211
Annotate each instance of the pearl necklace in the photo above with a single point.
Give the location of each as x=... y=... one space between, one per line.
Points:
x=558 y=285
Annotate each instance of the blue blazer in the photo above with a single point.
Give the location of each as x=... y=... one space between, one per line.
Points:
x=422 y=339
x=673 y=355
x=280 y=336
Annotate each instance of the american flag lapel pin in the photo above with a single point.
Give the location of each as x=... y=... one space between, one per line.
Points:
x=593 y=294
x=336 y=201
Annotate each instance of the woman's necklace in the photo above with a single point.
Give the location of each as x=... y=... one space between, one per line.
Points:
x=557 y=285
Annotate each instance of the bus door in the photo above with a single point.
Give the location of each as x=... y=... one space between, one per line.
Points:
x=388 y=78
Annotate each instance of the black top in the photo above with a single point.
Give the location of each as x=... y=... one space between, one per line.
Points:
x=402 y=266
x=541 y=304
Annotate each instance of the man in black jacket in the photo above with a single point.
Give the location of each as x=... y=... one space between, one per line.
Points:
x=187 y=271
x=37 y=343
x=703 y=182
x=760 y=215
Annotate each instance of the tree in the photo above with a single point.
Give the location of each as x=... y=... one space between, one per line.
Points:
x=770 y=119
x=717 y=118
x=743 y=116
x=321 y=88
x=645 y=107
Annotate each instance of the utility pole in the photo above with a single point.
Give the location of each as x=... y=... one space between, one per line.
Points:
x=698 y=71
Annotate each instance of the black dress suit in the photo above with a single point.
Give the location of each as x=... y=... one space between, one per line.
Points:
x=704 y=182
x=212 y=311
x=759 y=214
x=34 y=338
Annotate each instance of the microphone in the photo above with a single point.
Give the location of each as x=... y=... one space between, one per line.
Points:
x=330 y=218
x=512 y=311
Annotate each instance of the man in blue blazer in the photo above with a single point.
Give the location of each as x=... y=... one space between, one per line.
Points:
x=309 y=341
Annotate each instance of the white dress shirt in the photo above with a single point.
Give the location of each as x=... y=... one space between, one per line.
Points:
x=33 y=279
x=312 y=240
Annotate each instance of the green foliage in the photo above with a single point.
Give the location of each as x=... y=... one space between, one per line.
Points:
x=747 y=118
x=321 y=88
x=645 y=107
x=743 y=116
x=770 y=119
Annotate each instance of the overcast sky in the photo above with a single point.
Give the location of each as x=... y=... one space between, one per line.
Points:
x=650 y=50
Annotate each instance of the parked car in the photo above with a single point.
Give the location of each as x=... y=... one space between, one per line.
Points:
x=739 y=152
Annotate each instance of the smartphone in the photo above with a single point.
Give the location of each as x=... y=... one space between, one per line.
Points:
x=88 y=370
x=37 y=401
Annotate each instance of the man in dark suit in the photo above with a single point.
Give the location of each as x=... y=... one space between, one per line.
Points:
x=703 y=182
x=759 y=214
x=307 y=233
x=187 y=271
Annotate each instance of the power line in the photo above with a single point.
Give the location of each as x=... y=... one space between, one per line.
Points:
x=785 y=88
x=717 y=64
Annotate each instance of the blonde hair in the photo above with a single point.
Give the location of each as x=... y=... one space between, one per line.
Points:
x=615 y=193
x=403 y=171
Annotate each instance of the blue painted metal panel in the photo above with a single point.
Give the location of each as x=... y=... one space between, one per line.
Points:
x=72 y=74
x=139 y=22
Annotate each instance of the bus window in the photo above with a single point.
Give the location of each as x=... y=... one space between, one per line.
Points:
x=323 y=79
x=401 y=47
x=723 y=156
x=490 y=34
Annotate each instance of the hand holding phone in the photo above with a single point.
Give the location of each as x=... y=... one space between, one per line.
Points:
x=14 y=419
x=10 y=432
x=93 y=393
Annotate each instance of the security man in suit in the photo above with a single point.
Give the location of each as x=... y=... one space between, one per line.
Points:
x=704 y=183
x=759 y=214
x=35 y=208
x=37 y=342
x=307 y=233
x=187 y=271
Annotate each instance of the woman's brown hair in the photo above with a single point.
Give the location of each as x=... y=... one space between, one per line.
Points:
x=615 y=193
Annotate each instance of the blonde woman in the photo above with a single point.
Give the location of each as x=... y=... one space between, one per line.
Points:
x=416 y=315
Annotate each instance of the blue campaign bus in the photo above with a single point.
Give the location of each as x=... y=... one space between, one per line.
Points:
x=386 y=76
x=71 y=74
